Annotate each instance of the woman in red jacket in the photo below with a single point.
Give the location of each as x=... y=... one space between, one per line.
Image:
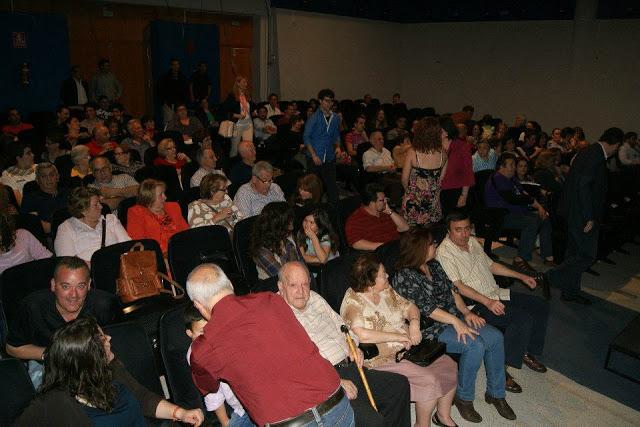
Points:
x=153 y=217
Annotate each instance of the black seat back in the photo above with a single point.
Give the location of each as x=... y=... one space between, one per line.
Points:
x=335 y=278
x=190 y=248
x=123 y=209
x=16 y=390
x=346 y=207
x=241 y=249
x=19 y=281
x=130 y=344
x=174 y=344
x=105 y=263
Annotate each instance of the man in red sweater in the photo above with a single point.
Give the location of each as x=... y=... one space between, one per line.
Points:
x=256 y=344
x=374 y=223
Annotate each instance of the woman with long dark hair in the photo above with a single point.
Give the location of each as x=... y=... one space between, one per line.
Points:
x=85 y=385
x=317 y=240
x=272 y=242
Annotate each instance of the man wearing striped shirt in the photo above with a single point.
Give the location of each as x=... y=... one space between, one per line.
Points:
x=390 y=391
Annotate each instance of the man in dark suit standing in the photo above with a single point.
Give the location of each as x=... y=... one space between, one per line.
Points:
x=74 y=90
x=583 y=205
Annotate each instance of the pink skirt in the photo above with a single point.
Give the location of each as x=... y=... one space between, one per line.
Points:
x=426 y=382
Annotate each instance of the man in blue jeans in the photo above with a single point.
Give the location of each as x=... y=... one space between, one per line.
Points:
x=523 y=318
x=322 y=139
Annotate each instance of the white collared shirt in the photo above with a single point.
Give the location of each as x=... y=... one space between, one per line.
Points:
x=75 y=238
x=470 y=267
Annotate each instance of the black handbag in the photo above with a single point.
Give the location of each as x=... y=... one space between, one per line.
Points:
x=423 y=354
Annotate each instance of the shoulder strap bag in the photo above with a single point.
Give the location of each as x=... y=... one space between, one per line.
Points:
x=140 y=278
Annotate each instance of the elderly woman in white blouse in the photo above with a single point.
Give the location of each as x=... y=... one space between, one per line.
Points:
x=215 y=206
x=81 y=235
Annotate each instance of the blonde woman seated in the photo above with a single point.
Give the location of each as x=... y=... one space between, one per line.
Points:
x=81 y=235
x=377 y=314
x=215 y=206
x=153 y=217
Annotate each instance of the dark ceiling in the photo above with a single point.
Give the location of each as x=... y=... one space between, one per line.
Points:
x=408 y=11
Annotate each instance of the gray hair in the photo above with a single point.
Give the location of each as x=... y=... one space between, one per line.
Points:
x=261 y=166
x=78 y=152
x=206 y=281
x=45 y=165
x=282 y=273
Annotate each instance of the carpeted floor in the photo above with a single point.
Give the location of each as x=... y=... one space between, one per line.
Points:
x=578 y=336
x=577 y=390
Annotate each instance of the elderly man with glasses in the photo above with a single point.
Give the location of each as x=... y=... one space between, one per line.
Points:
x=260 y=191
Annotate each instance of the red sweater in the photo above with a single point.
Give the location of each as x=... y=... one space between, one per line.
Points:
x=144 y=224
x=459 y=166
x=256 y=344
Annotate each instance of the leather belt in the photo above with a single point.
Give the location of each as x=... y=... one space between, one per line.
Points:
x=343 y=363
x=307 y=416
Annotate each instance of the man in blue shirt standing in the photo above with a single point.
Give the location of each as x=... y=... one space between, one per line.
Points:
x=322 y=139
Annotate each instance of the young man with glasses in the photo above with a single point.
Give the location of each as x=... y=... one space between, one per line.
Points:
x=260 y=191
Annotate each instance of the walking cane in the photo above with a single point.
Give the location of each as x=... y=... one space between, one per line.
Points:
x=354 y=355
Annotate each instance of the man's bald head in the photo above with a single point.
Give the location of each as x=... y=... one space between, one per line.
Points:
x=294 y=283
x=206 y=285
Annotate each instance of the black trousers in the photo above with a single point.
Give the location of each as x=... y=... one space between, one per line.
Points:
x=390 y=392
x=449 y=200
x=327 y=173
x=524 y=325
x=581 y=252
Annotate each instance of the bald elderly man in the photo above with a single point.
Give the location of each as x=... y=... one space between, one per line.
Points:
x=255 y=344
x=390 y=391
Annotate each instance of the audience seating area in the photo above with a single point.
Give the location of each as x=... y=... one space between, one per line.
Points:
x=150 y=335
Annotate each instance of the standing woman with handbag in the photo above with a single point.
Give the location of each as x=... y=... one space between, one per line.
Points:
x=377 y=314
x=420 y=278
x=237 y=108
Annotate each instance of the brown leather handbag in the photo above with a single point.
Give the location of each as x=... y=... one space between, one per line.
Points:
x=140 y=278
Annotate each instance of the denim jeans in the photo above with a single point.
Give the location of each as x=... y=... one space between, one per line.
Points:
x=340 y=415
x=530 y=225
x=240 y=421
x=488 y=346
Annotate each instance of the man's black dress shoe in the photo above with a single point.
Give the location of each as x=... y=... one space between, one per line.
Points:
x=467 y=411
x=533 y=363
x=511 y=385
x=502 y=406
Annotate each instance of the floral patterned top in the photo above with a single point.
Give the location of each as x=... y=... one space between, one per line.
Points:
x=387 y=316
x=201 y=213
x=427 y=294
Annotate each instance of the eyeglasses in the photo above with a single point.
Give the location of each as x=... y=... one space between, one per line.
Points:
x=265 y=181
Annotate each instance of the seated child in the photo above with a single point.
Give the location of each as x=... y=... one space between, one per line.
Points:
x=195 y=324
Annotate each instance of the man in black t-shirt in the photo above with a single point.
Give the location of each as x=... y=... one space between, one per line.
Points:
x=44 y=311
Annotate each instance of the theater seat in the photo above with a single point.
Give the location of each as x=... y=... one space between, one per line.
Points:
x=174 y=343
x=19 y=281
x=190 y=248
x=132 y=347
x=16 y=390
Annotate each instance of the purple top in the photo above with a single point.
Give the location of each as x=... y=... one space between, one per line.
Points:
x=499 y=183
x=27 y=248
